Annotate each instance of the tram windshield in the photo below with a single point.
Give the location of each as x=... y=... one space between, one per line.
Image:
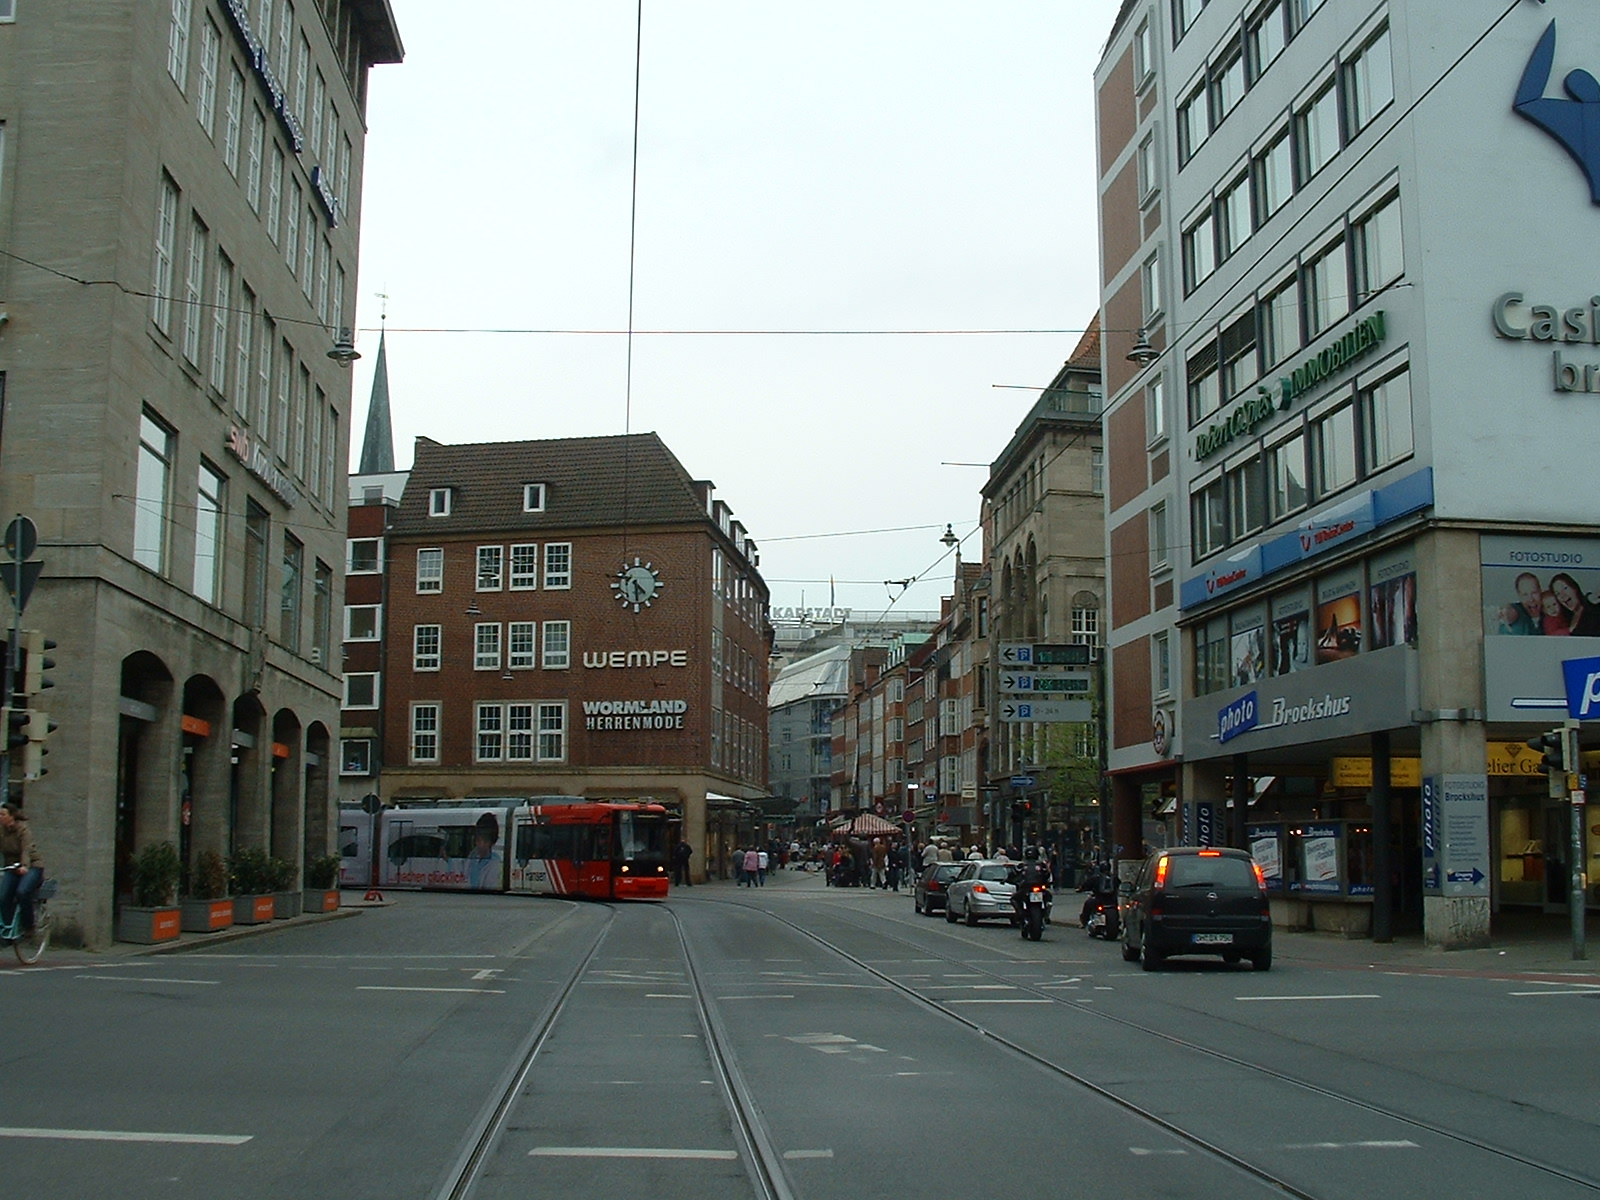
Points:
x=641 y=837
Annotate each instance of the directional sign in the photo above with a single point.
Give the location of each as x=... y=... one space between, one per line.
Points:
x=1016 y=654
x=1030 y=654
x=1023 y=781
x=1472 y=876
x=1046 y=710
x=1079 y=683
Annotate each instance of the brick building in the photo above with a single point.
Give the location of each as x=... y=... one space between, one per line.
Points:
x=575 y=615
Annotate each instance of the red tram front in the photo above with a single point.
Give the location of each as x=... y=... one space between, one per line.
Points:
x=597 y=848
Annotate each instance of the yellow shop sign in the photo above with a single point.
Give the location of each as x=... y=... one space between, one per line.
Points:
x=1357 y=772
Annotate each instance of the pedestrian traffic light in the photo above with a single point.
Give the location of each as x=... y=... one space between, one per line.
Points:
x=40 y=727
x=1552 y=746
x=33 y=645
x=16 y=726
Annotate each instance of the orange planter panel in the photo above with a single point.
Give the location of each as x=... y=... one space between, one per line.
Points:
x=221 y=914
x=265 y=907
x=166 y=925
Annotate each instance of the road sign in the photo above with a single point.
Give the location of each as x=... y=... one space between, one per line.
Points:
x=1068 y=683
x=1016 y=654
x=1052 y=711
x=1023 y=781
x=22 y=539
x=1032 y=654
x=19 y=578
x=909 y=816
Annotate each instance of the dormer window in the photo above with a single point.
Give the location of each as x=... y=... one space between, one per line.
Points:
x=532 y=497
x=439 y=502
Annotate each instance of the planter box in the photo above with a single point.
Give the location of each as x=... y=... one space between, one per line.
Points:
x=206 y=916
x=252 y=910
x=316 y=900
x=288 y=905
x=148 y=926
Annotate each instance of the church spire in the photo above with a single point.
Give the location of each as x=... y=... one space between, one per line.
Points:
x=377 y=447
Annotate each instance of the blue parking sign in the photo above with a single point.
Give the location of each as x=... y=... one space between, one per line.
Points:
x=1582 y=676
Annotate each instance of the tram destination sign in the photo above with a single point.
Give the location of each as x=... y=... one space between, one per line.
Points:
x=1061 y=683
x=1049 y=711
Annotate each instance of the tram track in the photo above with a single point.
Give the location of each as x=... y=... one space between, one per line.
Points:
x=935 y=1004
x=753 y=1144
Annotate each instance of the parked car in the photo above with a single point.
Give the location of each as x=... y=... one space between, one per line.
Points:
x=1193 y=900
x=928 y=897
x=981 y=891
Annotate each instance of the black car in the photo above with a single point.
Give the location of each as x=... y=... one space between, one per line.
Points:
x=931 y=891
x=1193 y=900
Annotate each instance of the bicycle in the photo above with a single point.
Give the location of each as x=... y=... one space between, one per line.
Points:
x=29 y=947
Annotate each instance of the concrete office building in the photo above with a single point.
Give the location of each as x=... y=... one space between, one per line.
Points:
x=1351 y=372
x=181 y=236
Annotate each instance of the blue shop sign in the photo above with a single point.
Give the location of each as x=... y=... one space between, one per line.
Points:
x=1243 y=715
x=1227 y=576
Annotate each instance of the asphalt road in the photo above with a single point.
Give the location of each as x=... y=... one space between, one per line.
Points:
x=786 y=1041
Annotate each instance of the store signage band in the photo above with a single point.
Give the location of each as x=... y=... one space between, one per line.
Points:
x=256 y=55
x=1547 y=324
x=1243 y=715
x=254 y=456
x=1336 y=358
x=634 y=714
x=623 y=659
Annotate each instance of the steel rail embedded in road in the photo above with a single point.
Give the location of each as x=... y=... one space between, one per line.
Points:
x=938 y=1005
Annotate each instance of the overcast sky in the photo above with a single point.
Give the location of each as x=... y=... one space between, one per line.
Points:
x=816 y=166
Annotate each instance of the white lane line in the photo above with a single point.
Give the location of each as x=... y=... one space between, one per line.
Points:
x=1400 y=1145
x=774 y=997
x=129 y=1135
x=468 y=991
x=793 y=1154
x=997 y=1001
x=1587 y=991
x=486 y=972
x=976 y=987
x=627 y=1152
x=1362 y=996
x=152 y=979
x=666 y=995
x=1143 y=1153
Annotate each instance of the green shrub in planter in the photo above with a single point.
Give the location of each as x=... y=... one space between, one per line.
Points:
x=155 y=875
x=322 y=873
x=209 y=880
x=250 y=873
x=280 y=874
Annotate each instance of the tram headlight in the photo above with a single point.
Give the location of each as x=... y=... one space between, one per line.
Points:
x=624 y=868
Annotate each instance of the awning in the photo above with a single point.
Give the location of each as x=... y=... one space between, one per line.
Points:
x=872 y=825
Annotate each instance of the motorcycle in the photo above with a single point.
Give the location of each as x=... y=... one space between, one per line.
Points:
x=1035 y=912
x=1103 y=919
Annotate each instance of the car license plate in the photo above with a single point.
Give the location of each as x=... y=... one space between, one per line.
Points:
x=1213 y=939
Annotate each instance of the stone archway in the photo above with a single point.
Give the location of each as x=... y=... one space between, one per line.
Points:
x=204 y=782
x=286 y=837
x=247 y=808
x=320 y=825
x=147 y=762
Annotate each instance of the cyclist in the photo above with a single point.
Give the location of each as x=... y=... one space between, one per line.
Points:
x=24 y=869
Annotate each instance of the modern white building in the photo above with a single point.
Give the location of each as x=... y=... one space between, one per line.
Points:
x=1352 y=363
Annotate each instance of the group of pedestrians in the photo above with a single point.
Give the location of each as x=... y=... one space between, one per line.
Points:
x=750 y=867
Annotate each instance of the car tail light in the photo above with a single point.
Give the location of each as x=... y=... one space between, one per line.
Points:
x=1261 y=876
x=978 y=887
x=1161 y=871
x=933 y=885
x=1211 y=854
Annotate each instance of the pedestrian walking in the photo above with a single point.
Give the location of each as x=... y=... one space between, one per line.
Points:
x=681 y=854
x=763 y=860
x=880 y=863
x=752 y=867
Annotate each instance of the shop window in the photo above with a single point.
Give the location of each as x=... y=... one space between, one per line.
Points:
x=1211 y=656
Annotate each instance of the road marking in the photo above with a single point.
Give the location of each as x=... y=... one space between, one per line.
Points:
x=977 y=987
x=1587 y=991
x=469 y=991
x=774 y=997
x=997 y=1001
x=792 y=1154
x=1142 y=1152
x=627 y=1152
x=1400 y=1145
x=152 y=979
x=666 y=996
x=128 y=1135
x=1365 y=996
x=486 y=973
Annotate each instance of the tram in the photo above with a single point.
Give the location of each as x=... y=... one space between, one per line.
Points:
x=542 y=845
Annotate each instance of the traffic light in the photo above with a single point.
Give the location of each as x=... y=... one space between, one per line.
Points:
x=33 y=645
x=1549 y=745
x=16 y=725
x=40 y=726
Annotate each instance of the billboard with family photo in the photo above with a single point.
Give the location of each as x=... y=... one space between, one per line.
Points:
x=1541 y=587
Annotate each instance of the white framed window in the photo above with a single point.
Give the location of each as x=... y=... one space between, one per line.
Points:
x=302 y=68
x=1086 y=629
x=1227 y=81
x=425 y=647
x=491 y=730
x=1236 y=347
x=233 y=122
x=1247 y=497
x=1272 y=168
x=532 y=497
x=221 y=305
x=1155 y=397
x=1386 y=435
x=361 y=690
x=193 y=285
x=355 y=756
x=363 y=622
x=1144 y=64
x=1280 y=322
x=524 y=567
x=1193 y=124
x=1150 y=280
x=1208 y=518
x=291 y=233
x=486 y=646
x=1267 y=36
x=558 y=565
x=520 y=650
x=152 y=487
x=1233 y=216
x=519 y=732
x=425 y=732
x=1205 y=384
x=1369 y=82
x=1380 y=258
x=439 y=502
x=430 y=570
x=205 y=99
x=1159 y=540
x=1317 y=127
x=556 y=652
x=242 y=351
x=1327 y=288
x=553 y=732
x=308 y=254
x=208 y=531
x=1199 y=250
x=255 y=159
x=363 y=556
x=1286 y=476
x=1161 y=662
x=178 y=43
x=1097 y=470
x=491 y=568
x=1149 y=180
x=1333 y=451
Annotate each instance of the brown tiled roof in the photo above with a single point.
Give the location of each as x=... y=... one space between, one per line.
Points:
x=586 y=480
x=1087 y=353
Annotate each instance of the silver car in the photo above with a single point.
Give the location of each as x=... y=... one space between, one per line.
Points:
x=983 y=890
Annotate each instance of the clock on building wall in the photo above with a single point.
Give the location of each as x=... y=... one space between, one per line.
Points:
x=637 y=585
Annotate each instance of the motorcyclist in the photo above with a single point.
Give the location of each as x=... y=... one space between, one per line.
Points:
x=1033 y=872
x=1101 y=885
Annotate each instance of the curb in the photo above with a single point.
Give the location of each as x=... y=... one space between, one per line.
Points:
x=239 y=932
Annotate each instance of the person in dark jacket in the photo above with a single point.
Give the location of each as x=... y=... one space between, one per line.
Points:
x=24 y=868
